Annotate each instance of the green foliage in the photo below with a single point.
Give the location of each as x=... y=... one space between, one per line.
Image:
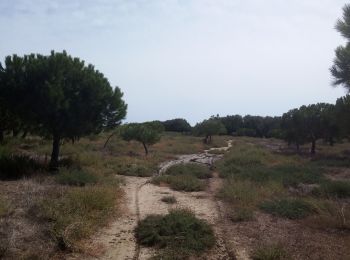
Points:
x=75 y=177
x=246 y=132
x=208 y=128
x=75 y=214
x=13 y=167
x=187 y=183
x=288 y=208
x=147 y=133
x=177 y=125
x=60 y=97
x=270 y=252
x=169 y=199
x=4 y=208
x=197 y=170
x=135 y=169
x=179 y=230
x=338 y=189
x=240 y=214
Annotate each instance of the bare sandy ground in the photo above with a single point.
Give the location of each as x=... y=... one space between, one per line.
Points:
x=142 y=198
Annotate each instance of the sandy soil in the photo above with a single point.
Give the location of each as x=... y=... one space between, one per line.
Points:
x=142 y=198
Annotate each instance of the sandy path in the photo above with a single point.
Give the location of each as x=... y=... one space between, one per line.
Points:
x=143 y=198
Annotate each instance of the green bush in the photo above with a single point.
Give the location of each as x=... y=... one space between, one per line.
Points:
x=13 y=167
x=288 y=208
x=180 y=182
x=339 y=189
x=75 y=177
x=270 y=252
x=4 y=208
x=180 y=229
x=169 y=199
x=197 y=170
x=134 y=169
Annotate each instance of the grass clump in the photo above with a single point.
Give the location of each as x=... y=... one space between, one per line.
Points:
x=338 y=189
x=135 y=169
x=4 y=207
x=169 y=199
x=179 y=230
x=288 y=208
x=180 y=182
x=197 y=170
x=240 y=214
x=13 y=167
x=270 y=252
x=75 y=177
x=75 y=214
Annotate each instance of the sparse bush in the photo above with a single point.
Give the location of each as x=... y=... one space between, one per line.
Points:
x=180 y=230
x=135 y=169
x=76 y=213
x=4 y=208
x=339 y=189
x=14 y=167
x=288 y=208
x=197 y=170
x=75 y=177
x=180 y=182
x=240 y=214
x=169 y=199
x=270 y=252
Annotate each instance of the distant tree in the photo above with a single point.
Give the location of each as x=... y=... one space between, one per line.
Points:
x=342 y=115
x=177 y=125
x=329 y=124
x=292 y=125
x=208 y=128
x=341 y=68
x=232 y=123
x=147 y=133
x=60 y=97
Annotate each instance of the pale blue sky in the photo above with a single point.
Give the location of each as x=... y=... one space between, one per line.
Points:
x=189 y=58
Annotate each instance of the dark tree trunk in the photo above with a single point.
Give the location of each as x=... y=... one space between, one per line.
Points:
x=1 y=136
x=331 y=141
x=313 y=147
x=109 y=137
x=298 y=147
x=55 y=153
x=146 y=150
x=24 y=135
x=15 y=133
x=209 y=139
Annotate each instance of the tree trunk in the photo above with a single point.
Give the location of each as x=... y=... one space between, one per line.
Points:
x=313 y=147
x=24 y=135
x=331 y=141
x=109 y=137
x=298 y=147
x=55 y=153
x=1 y=136
x=146 y=150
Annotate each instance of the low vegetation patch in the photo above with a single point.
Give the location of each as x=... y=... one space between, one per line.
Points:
x=169 y=199
x=179 y=230
x=4 y=208
x=191 y=169
x=138 y=169
x=337 y=189
x=240 y=214
x=75 y=177
x=180 y=182
x=13 y=167
x=288 y=208
x=270 y=252
x=75 y=214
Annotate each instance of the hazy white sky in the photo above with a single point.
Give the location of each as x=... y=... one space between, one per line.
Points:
x=189 y=58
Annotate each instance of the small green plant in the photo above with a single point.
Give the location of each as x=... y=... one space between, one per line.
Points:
x=180 y=230
x=169 y=199
x=270 y=252
x=180 y=183
x=4 y=207
x=288 y=208
x=75 y=177
x=197 y=170
x=135 y=169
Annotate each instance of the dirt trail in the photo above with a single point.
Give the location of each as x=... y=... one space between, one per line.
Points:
x=143 y=198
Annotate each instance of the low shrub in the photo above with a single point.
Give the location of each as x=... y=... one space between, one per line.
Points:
x=75 y=177
x=288 y=208
x=169 y=199
x=338 y=189
x=240 y=214
x=180 y=230
x=135 y=169
x=13 y=167
x=270 y=252
x=180 y=182
x=75 y=214
x=193 y=169
x=4 y=207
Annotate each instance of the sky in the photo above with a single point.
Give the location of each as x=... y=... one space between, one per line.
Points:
x=189 y=58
